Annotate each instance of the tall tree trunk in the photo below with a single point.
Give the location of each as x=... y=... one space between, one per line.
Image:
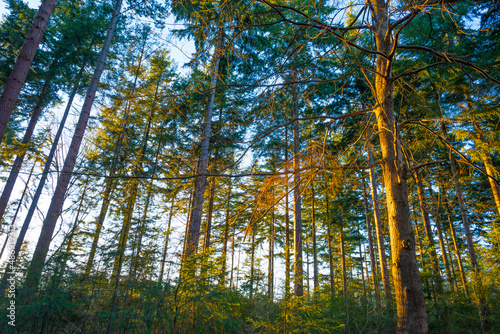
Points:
x=463 y=209
x=344 y=267
x=208 y=230
x=435 y=208
x=270 y=282
x=422 y=260
x=18 y=162
x=198 y=198
x=315 y=251
x=297 y=228
x=167 y=238
x=252 y=262
x=42 y=247
x=490 y=169
x=12 y=224
x=428 y=231
x=412 y=316
x=226 y=236
x=16 y=79
x=377 y=216
x=287 y=221
x=330 y=250
x=373 y=263
x=46 y=169
x=111 y=181
x=455 y=243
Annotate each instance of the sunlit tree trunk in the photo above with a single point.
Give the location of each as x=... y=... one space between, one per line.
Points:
x=410 y=303
x=270 y=283
x=287 y=221
x=42 y=247
x=15 y=82
x=490 y=169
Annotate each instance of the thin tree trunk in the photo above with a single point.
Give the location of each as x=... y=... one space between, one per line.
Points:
x=226 y=236
x=167 y=237
x=198 y=198
x=42 y=248
x=463 y=209
x=18 y=162
x=287 y=222
x=208 y=230
x=455 y=243
x=441 y=241
x=344 y=267
x=270 y=283
x=11 y=227
x=330 y=250
x=15 y=82
x=315 y=251
x=297 y=228
x=412 y=316
x=377 y=216
x=373 y=263
x=111 y=181
x=428 y=231
x=422 y=261
x=252 y=262
x=46 y=169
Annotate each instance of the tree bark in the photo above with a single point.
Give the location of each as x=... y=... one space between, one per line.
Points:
x=373 y=263
x=18 y=162
x=287 y=221
x=42 y=247
x=412 y=316
x=15 y=82
x=198 y=198
x=455 y=243
x=297 y=228
x=441 y=242
x=330 y=250
x=463 y=209
x=226 y=236
x=377 y=216
x=46 y=168
x=167 y=237
x=428 y=231
x=315 y=251
x=111 y=181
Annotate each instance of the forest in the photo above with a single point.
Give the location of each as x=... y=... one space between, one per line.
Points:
x=265 y=166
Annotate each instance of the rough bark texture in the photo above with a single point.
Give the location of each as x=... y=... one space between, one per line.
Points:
x=412 y=316
x=16 y=79
x=42 y=247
